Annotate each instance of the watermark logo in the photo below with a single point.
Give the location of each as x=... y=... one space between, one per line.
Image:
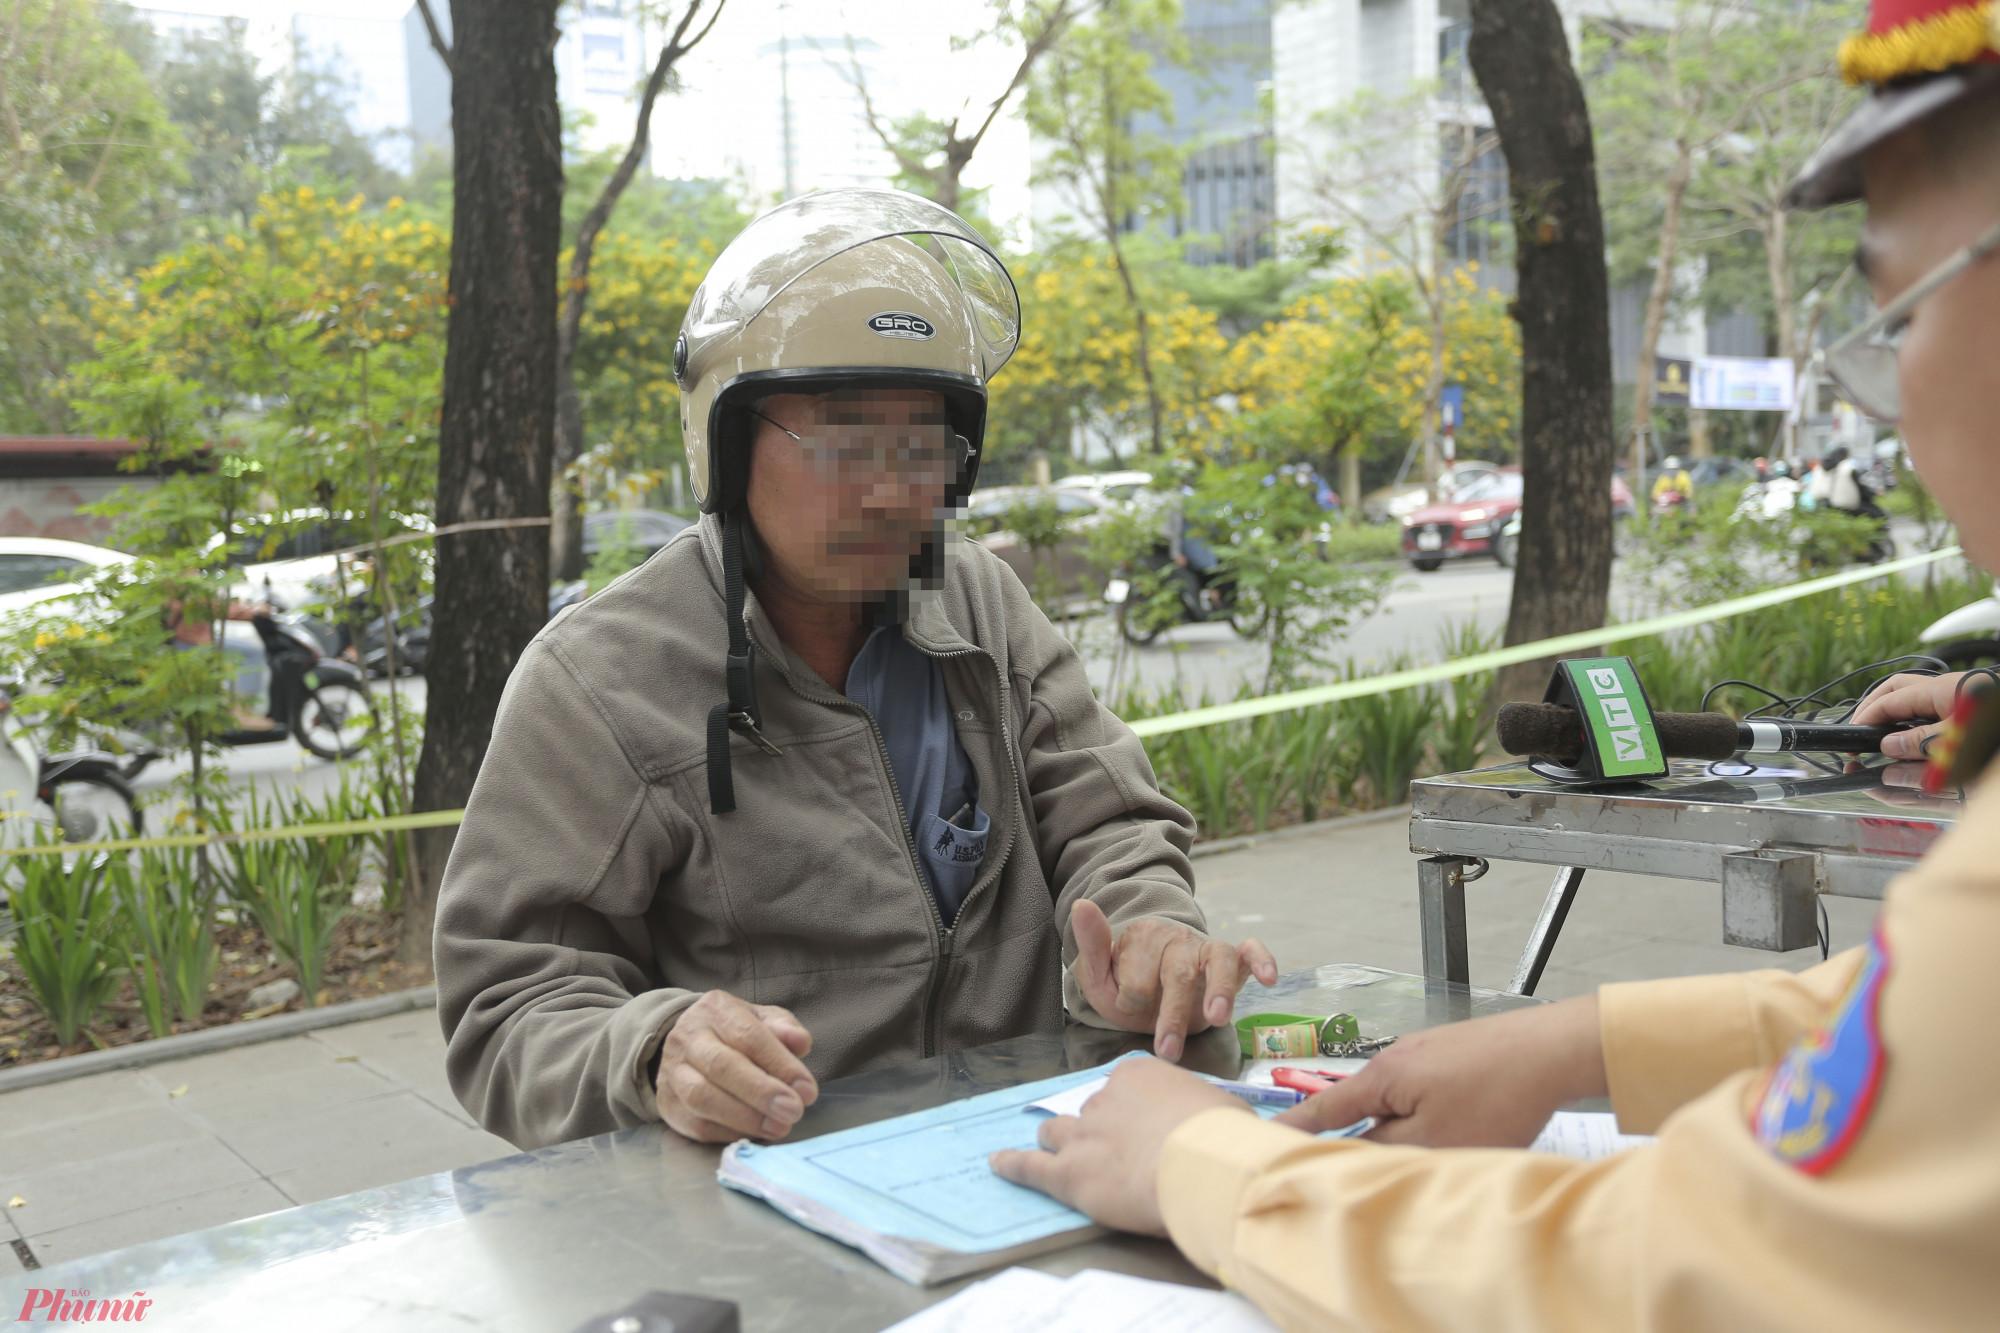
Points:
x=902 y=324
x=61 y=1305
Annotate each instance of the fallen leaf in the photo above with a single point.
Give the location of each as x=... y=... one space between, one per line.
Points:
x=178 y=1091
x=324 y=997
x=17 y=1202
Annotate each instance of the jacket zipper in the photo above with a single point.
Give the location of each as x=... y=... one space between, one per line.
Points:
x=945 y=935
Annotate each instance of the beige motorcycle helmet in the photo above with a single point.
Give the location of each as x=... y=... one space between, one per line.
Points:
x=841 y=289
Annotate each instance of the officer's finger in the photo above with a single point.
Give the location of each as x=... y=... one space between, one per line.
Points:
x=1913 y=743
x=1340 y=1105
x=1036 y=1170
x=1180 y=995
x=1057 y=1131
x=1093 y=968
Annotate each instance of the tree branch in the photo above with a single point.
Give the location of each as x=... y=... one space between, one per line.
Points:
x=438 y=43
x=904 y=159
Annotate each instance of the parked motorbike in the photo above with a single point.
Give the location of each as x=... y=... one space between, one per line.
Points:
x=319 y=699
x=1968 y=637
x=1200 y=598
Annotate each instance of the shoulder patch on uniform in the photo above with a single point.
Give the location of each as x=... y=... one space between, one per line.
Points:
x=1816 y=1101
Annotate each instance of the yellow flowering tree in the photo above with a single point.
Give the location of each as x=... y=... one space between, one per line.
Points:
x=292 y=366
x=1079 y=366
x=640 y=286
x=1346 y=370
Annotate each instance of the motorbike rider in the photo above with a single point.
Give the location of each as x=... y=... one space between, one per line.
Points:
x=1673 y=485
x=817 y=788
x=1188 y=551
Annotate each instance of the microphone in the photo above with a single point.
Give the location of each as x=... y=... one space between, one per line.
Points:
x=1552 y=731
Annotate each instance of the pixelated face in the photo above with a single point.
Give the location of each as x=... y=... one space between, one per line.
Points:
x=1950 y=355
x=846 y=488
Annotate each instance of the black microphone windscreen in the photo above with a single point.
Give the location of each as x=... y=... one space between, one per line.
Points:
x=1548 y=730
x=1697 y=735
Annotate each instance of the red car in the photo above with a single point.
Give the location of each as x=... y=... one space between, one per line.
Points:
x=1476 y=520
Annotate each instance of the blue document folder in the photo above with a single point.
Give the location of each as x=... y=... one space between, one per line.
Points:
x=914 y=1192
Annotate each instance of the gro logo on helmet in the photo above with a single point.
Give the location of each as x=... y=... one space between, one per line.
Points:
x=902 y=324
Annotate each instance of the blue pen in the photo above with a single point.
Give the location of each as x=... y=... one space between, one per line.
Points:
x=1261 y=1096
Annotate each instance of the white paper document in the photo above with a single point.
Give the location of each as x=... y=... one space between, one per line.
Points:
x=1070 y=1100
x=1587 y=1135
x=1022 y=1300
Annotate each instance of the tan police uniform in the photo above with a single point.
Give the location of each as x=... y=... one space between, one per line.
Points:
x=1829 y=1143
x=1828 y=1158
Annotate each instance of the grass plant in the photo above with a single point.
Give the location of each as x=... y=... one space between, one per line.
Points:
x=66 y=938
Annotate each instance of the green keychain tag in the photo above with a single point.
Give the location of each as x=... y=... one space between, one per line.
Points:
x=1291 y=1036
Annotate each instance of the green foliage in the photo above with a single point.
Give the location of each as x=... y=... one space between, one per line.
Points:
x=299 y=890
x=1799 y=645
x=66 y=938
x=167 y=907
x=86 y=156
x=1391 y=732
x=1041 y=525
x=614 y=557
x=1265 y=536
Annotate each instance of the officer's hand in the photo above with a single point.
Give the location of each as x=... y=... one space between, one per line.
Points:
x=1492 y=1082
x=1107 y=1162
x=1902 y=697
x=730 y=1069
x=1161 y=976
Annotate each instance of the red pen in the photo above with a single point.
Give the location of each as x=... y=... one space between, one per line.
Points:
x=1303 y=1080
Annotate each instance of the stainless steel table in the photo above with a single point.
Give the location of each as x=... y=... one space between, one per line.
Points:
x=1775 y=831
x=542 y=1241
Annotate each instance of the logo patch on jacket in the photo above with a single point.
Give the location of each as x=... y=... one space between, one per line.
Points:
x=1817 y=1100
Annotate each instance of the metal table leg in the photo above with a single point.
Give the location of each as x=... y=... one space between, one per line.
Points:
x=1441 y=911
x=1542 y=940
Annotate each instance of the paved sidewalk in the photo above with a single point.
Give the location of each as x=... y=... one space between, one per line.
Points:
x=114 y=1159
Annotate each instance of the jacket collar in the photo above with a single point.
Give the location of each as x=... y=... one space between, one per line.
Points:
x=929 y=628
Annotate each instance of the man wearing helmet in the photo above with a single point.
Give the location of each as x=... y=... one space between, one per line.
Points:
x=1828 y=1151
x=817 y=789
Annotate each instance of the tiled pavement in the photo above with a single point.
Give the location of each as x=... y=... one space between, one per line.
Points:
x=118 y=1158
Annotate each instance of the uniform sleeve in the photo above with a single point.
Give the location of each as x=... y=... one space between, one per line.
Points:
x=1667 y=1042
x=547 y=988
x=1879 y=1209
x=1103 y=829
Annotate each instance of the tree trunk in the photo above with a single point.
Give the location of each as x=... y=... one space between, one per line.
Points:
x=1776 y=240
x=566 y=517
x=1350 y=481
x=1562 y=578
x=1656 y=305
x=1145 y=347
x=566 y=502
x=498 y=425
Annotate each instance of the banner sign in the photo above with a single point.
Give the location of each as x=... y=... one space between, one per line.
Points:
x=1744 y=383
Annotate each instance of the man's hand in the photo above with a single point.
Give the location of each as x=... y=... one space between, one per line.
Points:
x=729 y=1069
x=1107 y=1162
x=1162 y=975
x=1492 y=1082
x=1902 y=697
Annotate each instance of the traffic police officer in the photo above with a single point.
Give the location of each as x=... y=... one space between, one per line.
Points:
x=1829 y=1142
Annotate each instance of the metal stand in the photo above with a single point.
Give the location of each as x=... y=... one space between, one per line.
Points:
x=1441 y=882
x=1542 y=940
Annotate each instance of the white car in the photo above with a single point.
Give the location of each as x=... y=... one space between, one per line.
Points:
x=1118 y=486
x=41 y=569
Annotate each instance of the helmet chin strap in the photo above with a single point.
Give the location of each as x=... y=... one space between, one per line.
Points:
x=739 y=672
